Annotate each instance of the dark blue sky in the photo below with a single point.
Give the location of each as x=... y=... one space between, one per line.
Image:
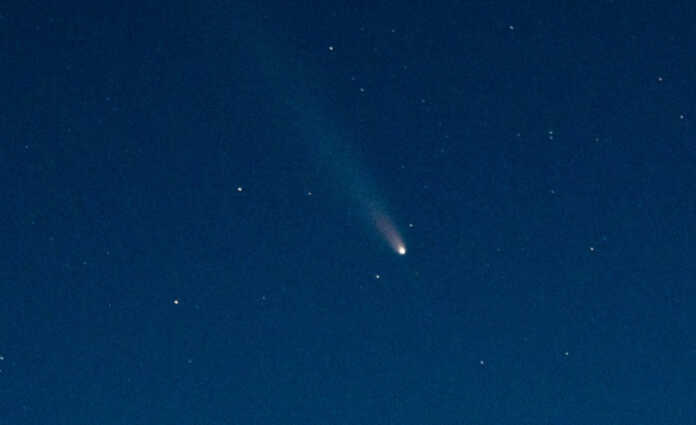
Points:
x=186 y=197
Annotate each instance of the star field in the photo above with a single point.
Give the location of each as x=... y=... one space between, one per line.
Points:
x=342 y=213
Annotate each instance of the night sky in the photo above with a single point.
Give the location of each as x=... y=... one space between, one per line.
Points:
x=203 y=202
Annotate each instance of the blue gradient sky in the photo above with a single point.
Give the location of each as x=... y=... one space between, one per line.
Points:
x=186 y=187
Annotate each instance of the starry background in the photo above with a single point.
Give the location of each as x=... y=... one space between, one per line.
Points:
x=180 y=243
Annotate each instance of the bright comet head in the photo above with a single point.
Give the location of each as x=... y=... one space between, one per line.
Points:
x=388 y=230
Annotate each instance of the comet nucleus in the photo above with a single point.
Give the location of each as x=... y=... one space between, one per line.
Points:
x=387 y=229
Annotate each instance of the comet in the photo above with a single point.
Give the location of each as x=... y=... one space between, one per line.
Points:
x=388 y=230
x=326 y=140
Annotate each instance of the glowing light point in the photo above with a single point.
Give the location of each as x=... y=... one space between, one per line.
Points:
x=401 y=250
